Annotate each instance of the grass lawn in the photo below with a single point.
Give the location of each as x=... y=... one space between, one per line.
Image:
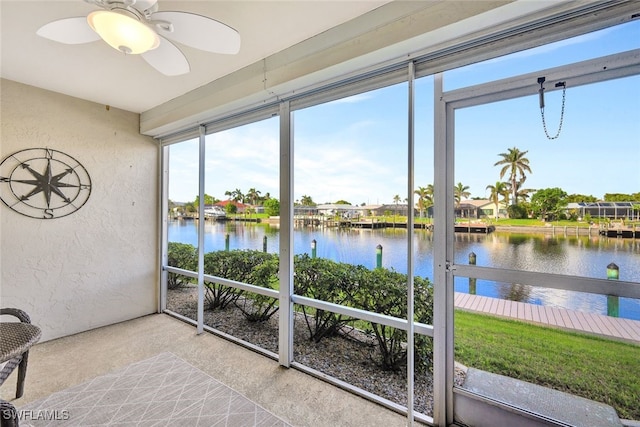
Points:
x=595 y=368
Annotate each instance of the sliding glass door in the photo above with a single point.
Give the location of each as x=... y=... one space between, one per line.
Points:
x=533 y=149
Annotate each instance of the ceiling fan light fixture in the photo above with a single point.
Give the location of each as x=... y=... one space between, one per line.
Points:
x=122 y=32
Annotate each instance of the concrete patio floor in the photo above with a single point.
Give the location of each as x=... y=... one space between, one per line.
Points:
x=292 y=395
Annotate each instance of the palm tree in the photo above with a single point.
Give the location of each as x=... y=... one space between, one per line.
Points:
x=506 y=195
x=423 y=195
x=460 y=192
x=307 y=201
x=517 y=164
x=396 y=200
x=500 y=189
x=429 y=198
x=253 y=195
x=235 y=195
x=522 y=193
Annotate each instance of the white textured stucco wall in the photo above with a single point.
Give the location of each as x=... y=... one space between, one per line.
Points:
x=98 y=265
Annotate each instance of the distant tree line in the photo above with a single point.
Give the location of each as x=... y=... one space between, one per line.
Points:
x=547 y=203
x=521 y=202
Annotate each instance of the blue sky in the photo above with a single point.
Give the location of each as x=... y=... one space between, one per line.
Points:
x=354 y=149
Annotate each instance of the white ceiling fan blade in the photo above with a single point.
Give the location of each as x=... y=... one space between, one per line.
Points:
x=167 y=59
x=69 y=31
x=199 y=32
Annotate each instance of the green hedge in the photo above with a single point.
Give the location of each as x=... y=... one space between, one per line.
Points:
x=380 y=290
x=181 y=255
x=240 y=266
x=325 y=280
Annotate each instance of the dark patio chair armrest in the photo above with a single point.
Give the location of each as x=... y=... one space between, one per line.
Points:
x=22 y=315
x=8 y=414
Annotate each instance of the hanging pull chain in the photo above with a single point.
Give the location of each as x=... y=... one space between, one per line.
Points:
x=541 y=80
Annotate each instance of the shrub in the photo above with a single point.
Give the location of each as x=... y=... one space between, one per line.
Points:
x=423 y=313
x=232 y=265
x=385 y=292
x=257 y=307
x=272 y=207
x=231 y=209
x=181 y=255
x=329 y=281
x=380 y=290
x=517 y=211
x=574 y=215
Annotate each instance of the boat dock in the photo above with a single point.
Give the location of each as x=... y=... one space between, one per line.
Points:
x=621 y=232
x=578 y=321
x=313 y=221
x=474 y=228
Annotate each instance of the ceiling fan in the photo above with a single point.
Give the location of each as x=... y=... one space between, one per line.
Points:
x=137 y=27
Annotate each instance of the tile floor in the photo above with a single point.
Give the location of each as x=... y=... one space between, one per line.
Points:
x=292 y=396
x=161 y=391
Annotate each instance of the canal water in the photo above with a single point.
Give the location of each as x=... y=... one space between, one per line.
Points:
x=586 y=256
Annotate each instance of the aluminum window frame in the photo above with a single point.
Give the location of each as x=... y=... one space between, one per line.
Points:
x=598 y=70
x=593 y=16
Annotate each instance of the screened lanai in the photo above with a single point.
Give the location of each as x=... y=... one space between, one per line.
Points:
x=415 y=104
x=430 y=141
x=611 y=210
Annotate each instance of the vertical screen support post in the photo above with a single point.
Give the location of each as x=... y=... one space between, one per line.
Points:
x=285 y=338
x=201 y=161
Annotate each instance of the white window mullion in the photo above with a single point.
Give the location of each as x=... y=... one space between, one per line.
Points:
x=410 y=244
x=164 y=209
x=285 y=348
x=201 y=155
x=442 y=259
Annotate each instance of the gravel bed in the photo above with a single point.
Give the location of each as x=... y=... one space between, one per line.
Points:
x=350 y=357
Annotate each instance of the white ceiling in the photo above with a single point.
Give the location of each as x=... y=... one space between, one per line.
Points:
x=97 y=72
x=283 y=42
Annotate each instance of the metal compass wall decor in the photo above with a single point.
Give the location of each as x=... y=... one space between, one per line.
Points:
x=43 y=183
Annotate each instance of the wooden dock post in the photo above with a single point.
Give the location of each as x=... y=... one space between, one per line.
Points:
x=379 y=256
x=472 y=280
x=613 y=302
x=226 y=242
x=264 y=244
x=314 y=244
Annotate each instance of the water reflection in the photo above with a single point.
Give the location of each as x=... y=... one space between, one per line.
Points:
x=514 y=292
x=583 y=256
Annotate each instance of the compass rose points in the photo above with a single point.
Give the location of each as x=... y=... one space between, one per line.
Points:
x=60 y=179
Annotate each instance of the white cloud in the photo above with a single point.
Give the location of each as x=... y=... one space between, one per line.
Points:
x=345 y=170
x=352 y=99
